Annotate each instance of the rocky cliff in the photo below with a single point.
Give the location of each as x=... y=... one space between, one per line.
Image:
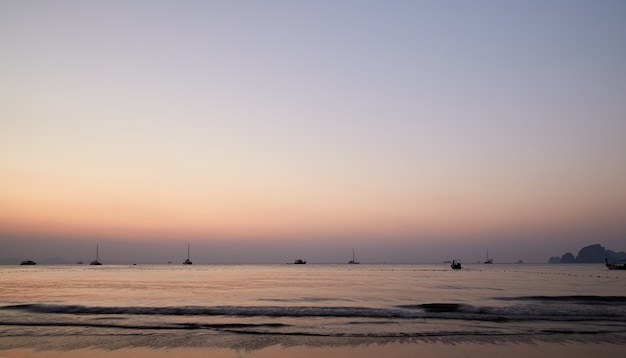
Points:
x=590 y=254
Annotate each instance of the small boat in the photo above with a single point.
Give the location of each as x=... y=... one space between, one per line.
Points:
x=488 y=260
x=28 y=262
x=188 y=261
x=456 y=265
x=96 y=262
x=620 y=265
x=299 y=262
x=80 y=263
x=353 y=261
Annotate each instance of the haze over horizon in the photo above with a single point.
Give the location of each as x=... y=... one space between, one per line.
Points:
x=268 y=131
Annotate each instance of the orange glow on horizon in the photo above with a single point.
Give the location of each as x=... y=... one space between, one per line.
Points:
x=282 y=220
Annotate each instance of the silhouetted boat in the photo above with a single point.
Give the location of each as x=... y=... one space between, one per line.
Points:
x=620 y=265
x=79 y=263
x=28 y=262
x=488 y=260
x=188 y=261
x=353 y=261
x=299 y=262
x=96 y=262
x=456 y=265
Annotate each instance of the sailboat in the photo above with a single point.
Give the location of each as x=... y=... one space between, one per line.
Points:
x=488 y=260
x=96 y=261
x=188 y=261
x=353 y=261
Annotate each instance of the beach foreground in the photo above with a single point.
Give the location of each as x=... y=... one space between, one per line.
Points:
x=426 y=349
x=262 y=346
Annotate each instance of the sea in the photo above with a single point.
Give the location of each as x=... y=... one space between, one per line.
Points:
x=255 y=306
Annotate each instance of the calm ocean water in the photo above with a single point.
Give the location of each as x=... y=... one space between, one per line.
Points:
x=176 y=305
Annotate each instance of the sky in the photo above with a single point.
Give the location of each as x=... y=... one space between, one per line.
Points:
x=264 y=131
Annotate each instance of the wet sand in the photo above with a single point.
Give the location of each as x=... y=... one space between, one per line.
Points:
x=63 y=343
x=427 y=349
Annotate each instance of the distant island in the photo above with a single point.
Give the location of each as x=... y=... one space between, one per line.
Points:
x=589 y=254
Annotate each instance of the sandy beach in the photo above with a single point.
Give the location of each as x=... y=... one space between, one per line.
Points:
x=426 y=349
x=264 y=346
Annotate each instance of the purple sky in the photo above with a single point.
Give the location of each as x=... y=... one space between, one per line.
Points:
x=413 y=131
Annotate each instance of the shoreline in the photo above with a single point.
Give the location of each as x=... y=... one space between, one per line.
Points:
x=401 y=350
x=265 y=346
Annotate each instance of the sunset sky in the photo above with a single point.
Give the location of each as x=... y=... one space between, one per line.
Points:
x=263 y=131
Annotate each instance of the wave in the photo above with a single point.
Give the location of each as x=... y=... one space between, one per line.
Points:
x=530 y=308
x=267 y=311
x=580 y=299
x=522 y=317
x=186 y=325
